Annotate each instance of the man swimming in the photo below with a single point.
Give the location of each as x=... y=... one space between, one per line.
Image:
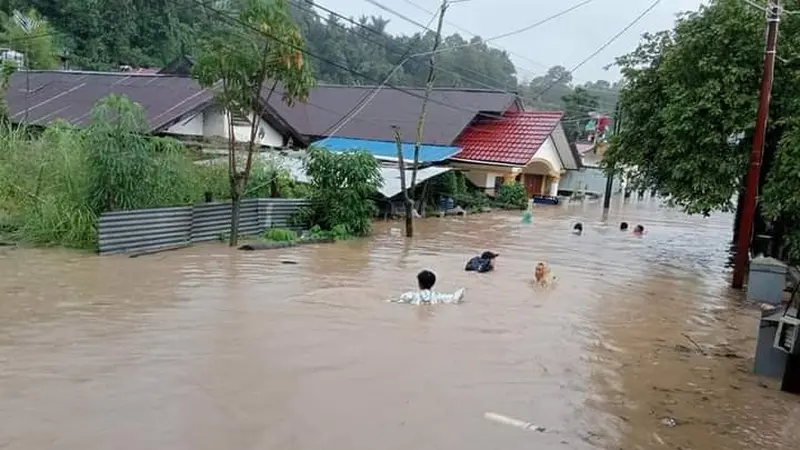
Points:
x=638 y=230
x=482 y=263
x=425 y=295
x=623 y=226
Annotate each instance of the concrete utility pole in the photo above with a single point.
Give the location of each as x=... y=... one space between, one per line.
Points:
x=610 y=176
x=756 y=155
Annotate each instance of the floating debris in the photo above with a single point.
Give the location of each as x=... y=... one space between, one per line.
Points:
x=505 y=420
x=669 y=422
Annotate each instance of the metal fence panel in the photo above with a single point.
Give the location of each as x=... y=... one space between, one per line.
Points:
x=152 y=229
x=212 y=220
x=143 y=229
x=276 y=212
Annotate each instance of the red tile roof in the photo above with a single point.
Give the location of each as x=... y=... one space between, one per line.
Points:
x=511 y=140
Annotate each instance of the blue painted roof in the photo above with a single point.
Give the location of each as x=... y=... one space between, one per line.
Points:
x=388 y=149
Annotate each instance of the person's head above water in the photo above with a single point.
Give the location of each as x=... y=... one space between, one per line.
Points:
x=577 y=228
x=623 y=226
x=489 y=255
x=426 y=279
x=638 y=229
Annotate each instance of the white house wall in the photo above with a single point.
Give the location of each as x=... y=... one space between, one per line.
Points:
x=213 y=122
x=192 y=126
x=549 y=153
x=559 y=138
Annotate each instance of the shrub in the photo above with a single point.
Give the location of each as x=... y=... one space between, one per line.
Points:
x=513 y=196
x=279 y=235
x=342 y=186
x=54 y=186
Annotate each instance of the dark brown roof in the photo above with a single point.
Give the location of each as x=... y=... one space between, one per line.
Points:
x=450 y=110
x=70 y=96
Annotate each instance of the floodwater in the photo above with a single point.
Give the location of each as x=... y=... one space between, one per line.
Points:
x=639 y=345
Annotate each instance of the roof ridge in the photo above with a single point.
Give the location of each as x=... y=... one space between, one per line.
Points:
x=117 y=74
x=418 y=88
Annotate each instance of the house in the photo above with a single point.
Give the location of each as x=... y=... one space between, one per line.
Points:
x=174 y=106
x=591 y=178
x=529 y=147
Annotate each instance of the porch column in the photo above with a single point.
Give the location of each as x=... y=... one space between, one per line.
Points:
x=554 y=186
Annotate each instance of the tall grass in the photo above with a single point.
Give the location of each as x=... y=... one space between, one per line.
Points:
x=54 y=186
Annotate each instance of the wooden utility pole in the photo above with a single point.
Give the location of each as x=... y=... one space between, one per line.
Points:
x=756 y=155
x=421 y=121
x=610 y=175
x=407 y=201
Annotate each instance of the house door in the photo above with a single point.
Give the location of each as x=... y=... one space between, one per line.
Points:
x=533 y=184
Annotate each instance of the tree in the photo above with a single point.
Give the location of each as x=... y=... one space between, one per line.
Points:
x=689 y=107
x=577 y=106
x=689 y=91
x=263 y=49
x=30 y=34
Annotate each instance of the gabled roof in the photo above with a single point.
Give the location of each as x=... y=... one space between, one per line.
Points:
x=70 y=96
x=388 y=150
x=450 y=110
x=513 y=140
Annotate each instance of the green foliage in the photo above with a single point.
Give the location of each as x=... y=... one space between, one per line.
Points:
x=279 y=235
x=29 y=33
x=512 y=196
x=54 y=186
x=130 y=169
x=342 y=188
x=688 y=91
x=44 y=185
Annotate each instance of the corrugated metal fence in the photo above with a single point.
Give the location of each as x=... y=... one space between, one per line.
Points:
x=152 y=229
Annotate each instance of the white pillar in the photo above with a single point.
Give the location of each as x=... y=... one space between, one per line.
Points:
x=554 y=186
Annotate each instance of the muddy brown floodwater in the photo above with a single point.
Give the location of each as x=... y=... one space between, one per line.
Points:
x=640 y=345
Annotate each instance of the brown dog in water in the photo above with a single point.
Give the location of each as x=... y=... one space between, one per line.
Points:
x=542 y=275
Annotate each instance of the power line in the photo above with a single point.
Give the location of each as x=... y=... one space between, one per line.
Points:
x=602 y=47
x=484 y=41
x=493 y=38
x=359 y=106
x=406 y=53
x=458 y=27
x=225 y=16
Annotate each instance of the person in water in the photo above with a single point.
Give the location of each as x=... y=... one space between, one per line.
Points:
x=482 y=263
x=638 y=230
x=578 y=228
x=623 y=226
x=425 y=295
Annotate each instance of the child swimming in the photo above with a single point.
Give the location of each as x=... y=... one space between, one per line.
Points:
x=426 y=296
x=542 y=275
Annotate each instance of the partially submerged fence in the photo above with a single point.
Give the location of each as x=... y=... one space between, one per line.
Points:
x=156 y=228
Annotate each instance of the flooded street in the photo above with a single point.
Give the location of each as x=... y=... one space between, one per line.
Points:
x=211 y=348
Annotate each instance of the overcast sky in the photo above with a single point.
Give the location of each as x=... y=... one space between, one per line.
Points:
x=564 y=41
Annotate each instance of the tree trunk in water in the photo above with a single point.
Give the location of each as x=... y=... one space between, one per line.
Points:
x=236 y=207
